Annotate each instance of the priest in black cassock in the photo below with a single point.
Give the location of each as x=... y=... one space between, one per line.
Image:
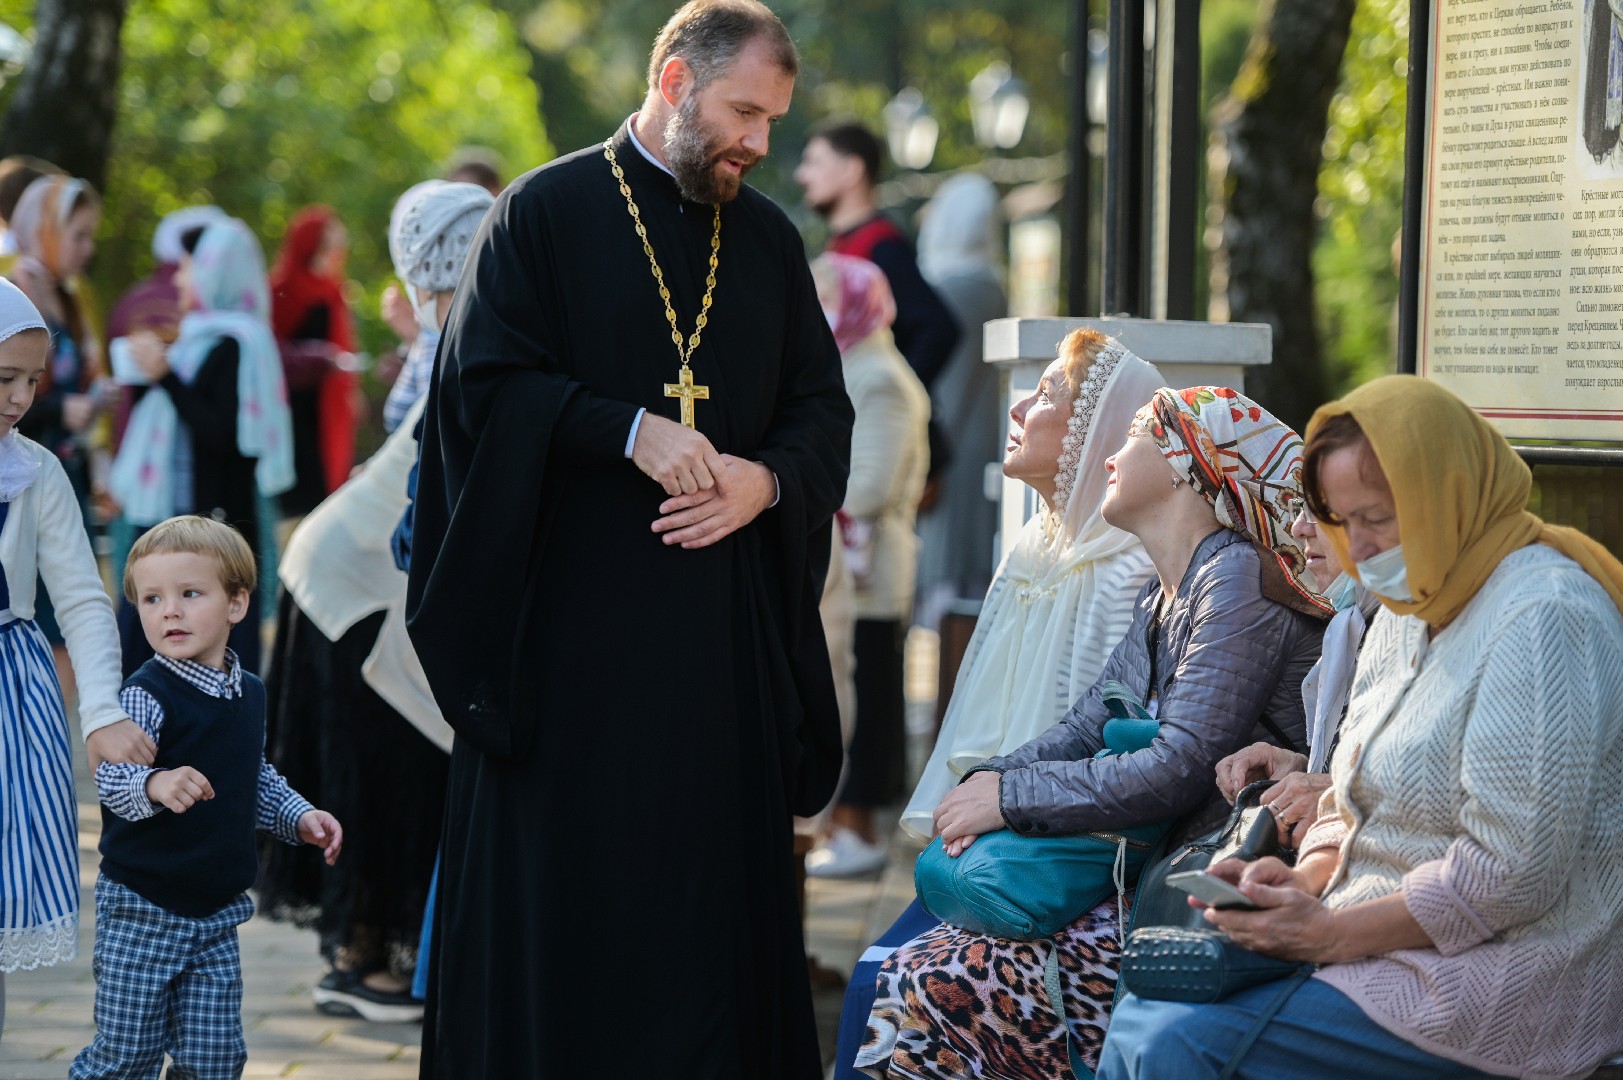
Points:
x=617 y=610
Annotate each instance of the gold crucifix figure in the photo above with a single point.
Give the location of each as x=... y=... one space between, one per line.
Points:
x=683 y=388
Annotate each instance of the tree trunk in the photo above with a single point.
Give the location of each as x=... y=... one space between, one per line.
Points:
x=1267 y=145
x=65 y=104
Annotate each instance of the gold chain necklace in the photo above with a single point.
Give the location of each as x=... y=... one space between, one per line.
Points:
x=683 y=387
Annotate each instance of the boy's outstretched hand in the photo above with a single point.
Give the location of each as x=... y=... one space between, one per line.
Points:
x=322 y=829
x=179 y=789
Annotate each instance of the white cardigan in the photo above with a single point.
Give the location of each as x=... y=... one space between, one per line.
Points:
x=1480 y=776
x=44 y=536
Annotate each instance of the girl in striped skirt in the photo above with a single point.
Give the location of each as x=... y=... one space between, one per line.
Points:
x=42 y=535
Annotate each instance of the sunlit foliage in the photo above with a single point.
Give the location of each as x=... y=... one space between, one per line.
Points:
x=1361 y=197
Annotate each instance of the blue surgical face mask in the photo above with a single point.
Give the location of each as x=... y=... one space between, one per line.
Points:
x=1386 y=576
x=1342 y=593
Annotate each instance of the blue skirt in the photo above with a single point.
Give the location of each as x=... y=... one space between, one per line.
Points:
x=39 y=837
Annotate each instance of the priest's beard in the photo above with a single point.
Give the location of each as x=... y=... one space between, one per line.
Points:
x=694 y=151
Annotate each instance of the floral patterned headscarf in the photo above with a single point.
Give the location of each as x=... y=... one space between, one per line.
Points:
x=1248 y=465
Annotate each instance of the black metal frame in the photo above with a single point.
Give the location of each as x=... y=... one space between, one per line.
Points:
x=1125 y=265
x=1414 y=176
x=1079 y=183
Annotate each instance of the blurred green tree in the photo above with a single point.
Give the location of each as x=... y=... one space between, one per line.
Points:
x=1267 y=147
x=262 y=108
x=63 y=107
x=1361 y=198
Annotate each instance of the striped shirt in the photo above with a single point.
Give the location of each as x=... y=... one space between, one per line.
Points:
x=122 y=786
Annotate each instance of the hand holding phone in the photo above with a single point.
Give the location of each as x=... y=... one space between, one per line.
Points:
x=1213 y=891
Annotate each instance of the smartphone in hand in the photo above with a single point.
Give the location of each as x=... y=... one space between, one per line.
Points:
x=1211 y=890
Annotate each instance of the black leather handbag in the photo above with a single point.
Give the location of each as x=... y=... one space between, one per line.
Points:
x=1250 y=833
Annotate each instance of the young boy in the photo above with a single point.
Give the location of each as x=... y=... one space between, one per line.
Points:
x=177 y=839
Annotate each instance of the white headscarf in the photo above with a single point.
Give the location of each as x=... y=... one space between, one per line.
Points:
x=18 y=468
x=228 y=278
x=962 y=232
x=166 y=245
x=1058 y=605
x=430 y=233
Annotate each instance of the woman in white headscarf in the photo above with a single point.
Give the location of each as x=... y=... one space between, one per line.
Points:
x=959 y=245
x=1058 y=605
x=211 y=433
x=351 y=715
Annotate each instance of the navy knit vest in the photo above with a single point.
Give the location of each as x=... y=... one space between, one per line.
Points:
x=195 y=863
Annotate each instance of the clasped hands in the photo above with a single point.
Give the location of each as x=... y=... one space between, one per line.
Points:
x=712 y=494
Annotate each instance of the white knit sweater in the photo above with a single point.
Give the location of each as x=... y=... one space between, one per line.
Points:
x=44 y=536
x=1481 y=774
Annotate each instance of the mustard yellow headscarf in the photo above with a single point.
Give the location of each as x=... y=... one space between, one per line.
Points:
x=1461 y=495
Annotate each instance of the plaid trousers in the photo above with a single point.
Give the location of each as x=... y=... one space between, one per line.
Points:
x=164 y=984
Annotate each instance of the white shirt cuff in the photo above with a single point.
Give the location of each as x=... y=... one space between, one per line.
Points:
x=631 y=440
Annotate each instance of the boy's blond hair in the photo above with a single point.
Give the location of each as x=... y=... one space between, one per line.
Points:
x=197 y=535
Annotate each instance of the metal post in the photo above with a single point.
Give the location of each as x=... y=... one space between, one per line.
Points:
x=1079 y=183
x=1124 y=162
x=1184 y=181
x=1414 y=183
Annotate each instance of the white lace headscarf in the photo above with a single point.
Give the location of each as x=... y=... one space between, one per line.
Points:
x=18 y=468
x=1060 y=602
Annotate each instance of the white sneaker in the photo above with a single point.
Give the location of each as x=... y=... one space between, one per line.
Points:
x=845 y=854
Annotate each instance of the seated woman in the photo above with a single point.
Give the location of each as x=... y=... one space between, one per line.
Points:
x=1220 y=641
x=1303 y=778
x=1460 y=886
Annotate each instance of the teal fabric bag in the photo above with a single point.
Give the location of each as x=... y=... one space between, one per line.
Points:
x=1025 y=888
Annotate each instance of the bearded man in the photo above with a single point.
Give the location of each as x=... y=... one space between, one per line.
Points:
x=636 y=440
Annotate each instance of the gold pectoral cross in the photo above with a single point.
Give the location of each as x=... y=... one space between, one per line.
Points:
x=683 y=388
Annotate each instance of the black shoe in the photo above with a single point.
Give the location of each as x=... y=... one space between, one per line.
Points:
x=342 y=993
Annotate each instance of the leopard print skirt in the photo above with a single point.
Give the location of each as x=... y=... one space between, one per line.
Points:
x=953 y=1004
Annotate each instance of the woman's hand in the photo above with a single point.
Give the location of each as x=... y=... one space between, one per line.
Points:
x=970 y=809
x=1295 y=803
x=397 y=312
x=1259 y=761
x=149 y=354
x=1291 y=924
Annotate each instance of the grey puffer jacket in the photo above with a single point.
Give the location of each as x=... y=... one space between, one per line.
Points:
x=1229 y=665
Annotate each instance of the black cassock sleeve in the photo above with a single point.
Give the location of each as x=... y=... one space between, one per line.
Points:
x=497 y=410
